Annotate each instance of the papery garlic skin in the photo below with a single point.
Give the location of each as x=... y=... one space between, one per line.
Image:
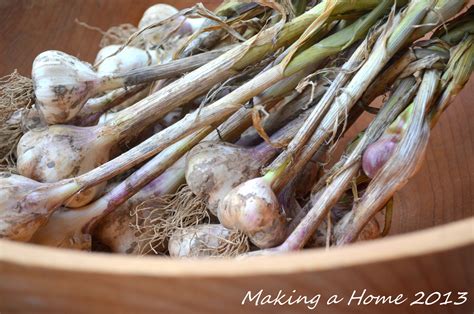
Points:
x=253 y=208
x=370 y=232
x=115 y=230
x=377 y=154
x=214 y=169
x=80 y=148
x=12 y=189
x=157 y=13
x=26 y=204
x=62 y=84
x=196 y=23
x=63 y=231
x=130 y=58
x=198 y=241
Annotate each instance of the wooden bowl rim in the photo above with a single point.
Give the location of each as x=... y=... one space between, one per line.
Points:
x=442 y=238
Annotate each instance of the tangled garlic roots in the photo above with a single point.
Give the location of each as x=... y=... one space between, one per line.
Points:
x=236 y=244
x=158 y=219
x=16 y=96
x=208 y=241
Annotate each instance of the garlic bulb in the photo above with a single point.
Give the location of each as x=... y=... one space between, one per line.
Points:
x=378 y=153
x=157 y=13
x=207 y=240
x=80 y=150
x=62 y=84
x=115 y=230
x=196 y=23
x=26 y=204
x=371 y=231
x=129 y=58
x=253 y=208
x=62 y=230
x=213 y=169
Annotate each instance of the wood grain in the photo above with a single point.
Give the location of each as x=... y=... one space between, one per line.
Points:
x=30 y=27
x=43 y=280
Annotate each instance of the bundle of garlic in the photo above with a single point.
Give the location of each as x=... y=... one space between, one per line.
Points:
x=203 y=134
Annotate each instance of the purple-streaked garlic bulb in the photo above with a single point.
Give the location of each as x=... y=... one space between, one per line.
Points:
x=213 y=169
x=377 y=154
x=206 y=240
x=61 y=152
x=253 y=208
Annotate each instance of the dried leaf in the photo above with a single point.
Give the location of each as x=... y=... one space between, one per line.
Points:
x=257 y=112
x=310 y=31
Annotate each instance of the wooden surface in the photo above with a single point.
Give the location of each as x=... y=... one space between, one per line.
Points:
x=34 y=279
x=42 y=280
x=29 y=27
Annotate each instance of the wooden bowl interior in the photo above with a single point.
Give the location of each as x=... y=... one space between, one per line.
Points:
x=40 y=279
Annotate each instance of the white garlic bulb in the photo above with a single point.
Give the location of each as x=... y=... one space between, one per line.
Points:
x=253 y=208
x=129 y=58
x=157 y=13
x=195 y=23
x=198 y=241
x=62 y=84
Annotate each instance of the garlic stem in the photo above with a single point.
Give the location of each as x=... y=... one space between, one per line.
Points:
x=344 y=171
x=154 y=106
x=63 y=83
x=95 y=107
x=208 y=40
x=400 y=29
x=64 y=224
x=339 y=40
x=404 y=162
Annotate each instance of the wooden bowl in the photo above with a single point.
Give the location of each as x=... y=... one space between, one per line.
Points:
x=430 y=250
